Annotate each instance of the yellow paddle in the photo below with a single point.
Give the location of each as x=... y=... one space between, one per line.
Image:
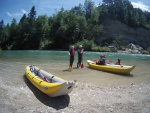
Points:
x=70 y=68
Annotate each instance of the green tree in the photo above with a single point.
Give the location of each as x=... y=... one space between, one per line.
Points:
x=1 y=31
x=88 y=7
x=13 y=33
x=4 y=37
x=1 y=24
x=78 y=10
x=107 y=2
x=23 y=18
x=103 y=13
x=32 y=13
x=42 y=31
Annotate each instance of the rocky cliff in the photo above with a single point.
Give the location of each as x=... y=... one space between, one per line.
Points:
x=119 y=33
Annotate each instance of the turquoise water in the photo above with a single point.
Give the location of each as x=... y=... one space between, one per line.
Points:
x=13 y=63
x=60 y=56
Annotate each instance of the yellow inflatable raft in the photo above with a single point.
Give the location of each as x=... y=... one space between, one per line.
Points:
x=47 y=83
x=120 y=69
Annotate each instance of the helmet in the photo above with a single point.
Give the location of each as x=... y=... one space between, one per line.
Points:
x=80 y=46
x=101 y=55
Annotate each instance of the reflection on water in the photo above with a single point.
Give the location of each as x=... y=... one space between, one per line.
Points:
x=57 y=61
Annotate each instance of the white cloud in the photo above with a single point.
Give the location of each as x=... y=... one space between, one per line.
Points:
x=13 y=14
x=9 y=14
x=141 y=6
x=24 y=11
x=17 y=14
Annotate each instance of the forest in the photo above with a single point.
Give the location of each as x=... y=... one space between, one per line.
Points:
x=82 y=24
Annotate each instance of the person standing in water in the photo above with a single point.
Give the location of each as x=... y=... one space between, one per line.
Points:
x=71 y=54
x=80 y=54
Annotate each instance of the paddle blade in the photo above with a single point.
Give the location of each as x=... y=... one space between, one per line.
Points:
x=70 y=69
x=95 y=60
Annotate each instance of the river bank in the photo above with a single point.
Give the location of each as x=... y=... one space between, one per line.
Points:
x=85 y=98
x=94 y=92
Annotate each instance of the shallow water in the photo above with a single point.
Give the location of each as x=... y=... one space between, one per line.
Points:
x=12 y=63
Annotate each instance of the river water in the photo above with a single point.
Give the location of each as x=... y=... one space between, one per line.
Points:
x=12 y=63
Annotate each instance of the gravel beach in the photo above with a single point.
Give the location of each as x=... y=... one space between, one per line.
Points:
x=18 y=95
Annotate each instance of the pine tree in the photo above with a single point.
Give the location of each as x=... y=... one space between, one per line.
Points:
x=32 y=13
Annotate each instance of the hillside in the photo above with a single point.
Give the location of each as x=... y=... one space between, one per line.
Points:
x=122 y=34
x=113 y=23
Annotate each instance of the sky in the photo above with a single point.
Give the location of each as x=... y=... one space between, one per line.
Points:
x=10 y=9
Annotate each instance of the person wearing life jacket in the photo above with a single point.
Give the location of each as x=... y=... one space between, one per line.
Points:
x=71 y=54
x=101 y=60
x=80 y=54
x=118 y=62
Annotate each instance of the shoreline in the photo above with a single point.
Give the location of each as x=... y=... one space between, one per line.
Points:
x=95 y=91
x=118 y=51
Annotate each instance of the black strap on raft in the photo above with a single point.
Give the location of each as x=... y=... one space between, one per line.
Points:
x=38 y=72
x=31 y=68
x=51 y=78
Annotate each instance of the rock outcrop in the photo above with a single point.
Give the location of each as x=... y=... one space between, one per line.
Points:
x=123 y=35
x=135 y=49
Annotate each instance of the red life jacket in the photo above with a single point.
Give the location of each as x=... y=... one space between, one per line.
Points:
x=118 y=63
x=72 y=53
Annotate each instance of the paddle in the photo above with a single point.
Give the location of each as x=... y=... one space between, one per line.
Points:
x=70 y=69
x=95 y=60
